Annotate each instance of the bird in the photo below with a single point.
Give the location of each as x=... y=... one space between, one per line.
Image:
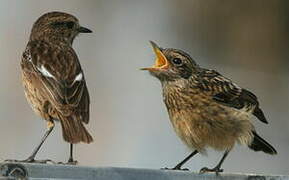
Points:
x=53 y=80
x=206 y=109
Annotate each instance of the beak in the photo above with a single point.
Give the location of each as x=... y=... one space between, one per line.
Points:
x=84 y=30
x=161 y=61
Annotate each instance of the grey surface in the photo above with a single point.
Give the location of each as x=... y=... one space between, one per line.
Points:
x=36 y=171
x=246 y=40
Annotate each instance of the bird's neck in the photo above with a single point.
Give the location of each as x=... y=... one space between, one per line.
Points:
x=180 y=83
x=171 y=87
x=179 y=94
x=54 y=40
x=173 y=94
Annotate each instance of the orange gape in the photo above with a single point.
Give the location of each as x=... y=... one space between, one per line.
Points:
x=206 y=109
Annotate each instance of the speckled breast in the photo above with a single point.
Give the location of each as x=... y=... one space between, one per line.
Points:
x=200 y=122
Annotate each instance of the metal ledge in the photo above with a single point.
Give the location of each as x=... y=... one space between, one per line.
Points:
x=46 y=171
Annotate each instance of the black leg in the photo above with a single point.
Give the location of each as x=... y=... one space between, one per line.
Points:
x=31 y=158
x=71 y=160
x=71 y=153
x=179 y=165
x=216 y=169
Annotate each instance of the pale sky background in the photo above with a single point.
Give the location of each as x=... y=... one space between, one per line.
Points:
x=244 y=40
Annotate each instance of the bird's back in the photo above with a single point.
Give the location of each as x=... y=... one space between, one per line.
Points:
x=55 y=85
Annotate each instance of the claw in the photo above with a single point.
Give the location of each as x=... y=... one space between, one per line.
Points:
x=217 y=170
x=176 y=169
x=31 y=160
x=68 y=163
x=72 y=162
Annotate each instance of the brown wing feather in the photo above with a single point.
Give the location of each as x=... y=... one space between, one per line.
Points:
x=224 y=91
x=65 y=94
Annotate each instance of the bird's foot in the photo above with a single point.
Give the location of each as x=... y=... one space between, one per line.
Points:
x=69 y=162
x=177 y=168
x=72 y=162
x=31 y=160
x=216 y=169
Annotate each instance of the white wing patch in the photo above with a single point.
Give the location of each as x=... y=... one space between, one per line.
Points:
x=45 y=72
x=78 y=77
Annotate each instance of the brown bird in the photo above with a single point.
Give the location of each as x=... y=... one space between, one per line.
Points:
x=206 y=109
x=53 y=80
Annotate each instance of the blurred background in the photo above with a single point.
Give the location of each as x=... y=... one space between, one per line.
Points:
x=243 y=39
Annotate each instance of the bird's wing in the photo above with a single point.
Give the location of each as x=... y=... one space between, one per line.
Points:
x=61 y=76
x=224 y=91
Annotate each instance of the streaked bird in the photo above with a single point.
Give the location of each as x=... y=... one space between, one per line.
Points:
x=53 y=79
x=205 y=108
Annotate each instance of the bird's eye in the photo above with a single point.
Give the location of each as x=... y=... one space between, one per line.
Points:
x=70 y=24
x=57 y=24
x=177 y=61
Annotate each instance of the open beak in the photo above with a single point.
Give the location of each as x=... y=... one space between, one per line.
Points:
x=84 y=30
x=161 y=61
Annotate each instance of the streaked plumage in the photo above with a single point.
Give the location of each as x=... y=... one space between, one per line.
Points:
x=206 y=109
x=54 y=71
x=53 y=80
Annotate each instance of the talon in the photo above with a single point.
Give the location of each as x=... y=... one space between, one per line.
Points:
x=30 y=160
x=68 y=163
x=20 y=161
x=217 y=170
x=175 y=168
x=180 y=169
x=184 y=169
x=203 y=170
x=72 y=163
x=45 y=161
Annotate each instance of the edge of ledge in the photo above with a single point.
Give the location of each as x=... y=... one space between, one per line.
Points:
x=51 y=171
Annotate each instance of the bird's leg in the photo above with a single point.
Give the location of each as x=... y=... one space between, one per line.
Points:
x=179 y=165
x=216 y=169
x=31 y=158
x=71 y=160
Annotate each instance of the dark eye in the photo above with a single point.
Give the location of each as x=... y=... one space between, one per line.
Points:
x=177 y=61
x=70 y=24
x=57 y=24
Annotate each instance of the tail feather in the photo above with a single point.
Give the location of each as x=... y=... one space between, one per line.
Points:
x=73 y=130
x=259 y=144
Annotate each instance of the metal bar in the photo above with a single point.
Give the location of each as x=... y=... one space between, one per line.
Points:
x=61 y=172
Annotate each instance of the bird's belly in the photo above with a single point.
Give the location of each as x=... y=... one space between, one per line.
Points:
x=35 y=98
x=210 y=125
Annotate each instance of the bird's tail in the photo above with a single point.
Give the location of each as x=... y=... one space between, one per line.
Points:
x=259 y=144
x=73 y=130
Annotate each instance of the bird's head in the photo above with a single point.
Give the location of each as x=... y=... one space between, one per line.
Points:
x=57 y=26
x=171 y=64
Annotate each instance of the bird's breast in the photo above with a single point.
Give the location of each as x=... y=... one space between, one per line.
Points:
x=200 y=121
